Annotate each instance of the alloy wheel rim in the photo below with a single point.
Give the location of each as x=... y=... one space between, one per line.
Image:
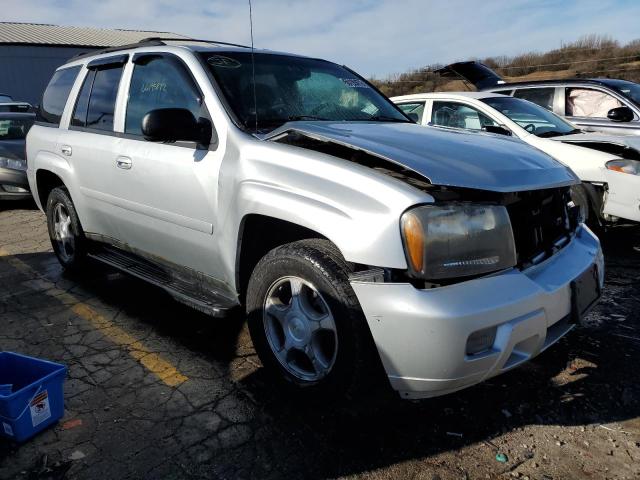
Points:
x=62 y=232
x=300 y=328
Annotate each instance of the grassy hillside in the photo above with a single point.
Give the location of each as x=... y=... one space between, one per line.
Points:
x=591 y=56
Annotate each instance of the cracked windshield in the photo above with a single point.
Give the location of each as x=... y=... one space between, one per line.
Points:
x=290 y=88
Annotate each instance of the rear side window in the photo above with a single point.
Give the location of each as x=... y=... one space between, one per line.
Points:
x=56 y=94
x=102 y=99
x=160 y=82
x=539 y=96
x=79 y=118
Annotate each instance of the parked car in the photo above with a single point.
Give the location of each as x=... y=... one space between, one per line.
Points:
x=610 y=189
x=599 y=104
x=13 y=164
x=8 y=105
x=291 y=186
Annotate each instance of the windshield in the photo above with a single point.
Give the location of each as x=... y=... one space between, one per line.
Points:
x=5 y=98
x=14 y=128
x=289 y=88
x=533 y=118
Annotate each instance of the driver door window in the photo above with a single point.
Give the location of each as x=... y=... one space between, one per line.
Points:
x=590 y=103
x=160 y=82
x=457 y=115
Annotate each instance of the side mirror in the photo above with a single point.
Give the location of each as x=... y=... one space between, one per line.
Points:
x=497 y=129
x=620 y=114
x=175 y=124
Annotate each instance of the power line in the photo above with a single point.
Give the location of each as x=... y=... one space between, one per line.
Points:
x=568 y=63
x=537 y=79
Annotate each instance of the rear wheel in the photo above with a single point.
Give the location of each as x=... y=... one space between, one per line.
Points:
x=67 y=238
x=306 y=323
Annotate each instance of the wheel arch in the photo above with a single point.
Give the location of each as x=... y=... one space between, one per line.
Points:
x=46 y=181
x=257 y=235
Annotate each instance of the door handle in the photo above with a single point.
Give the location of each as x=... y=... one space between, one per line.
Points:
x=124 y=162
x=66 y=150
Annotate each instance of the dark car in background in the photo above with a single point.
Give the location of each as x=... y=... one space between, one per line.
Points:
x=599 y=104
x=13 y=163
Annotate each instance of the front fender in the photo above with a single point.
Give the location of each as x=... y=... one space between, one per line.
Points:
x=355 y=207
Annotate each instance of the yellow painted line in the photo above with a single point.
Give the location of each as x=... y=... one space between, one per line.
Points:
x=153 y=362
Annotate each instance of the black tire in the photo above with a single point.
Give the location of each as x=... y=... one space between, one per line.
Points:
x=318 y=262
x=71 y=255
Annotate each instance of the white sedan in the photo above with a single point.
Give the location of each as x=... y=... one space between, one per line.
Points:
x=610 y=190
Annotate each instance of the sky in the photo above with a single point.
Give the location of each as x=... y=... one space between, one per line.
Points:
x=377 y=38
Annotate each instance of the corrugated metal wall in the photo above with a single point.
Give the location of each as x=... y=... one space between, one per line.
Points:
x=26 y=70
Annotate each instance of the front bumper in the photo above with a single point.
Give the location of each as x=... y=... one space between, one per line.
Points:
x=13 y=178
x=421 y=335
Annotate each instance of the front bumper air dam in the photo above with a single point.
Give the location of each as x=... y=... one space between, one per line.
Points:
x=421 y=335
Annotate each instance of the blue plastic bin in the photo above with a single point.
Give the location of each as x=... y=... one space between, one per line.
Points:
x=36 y=400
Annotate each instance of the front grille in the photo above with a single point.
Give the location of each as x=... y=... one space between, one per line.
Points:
x=542 y=221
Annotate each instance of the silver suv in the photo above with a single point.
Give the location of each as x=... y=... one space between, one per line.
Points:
x=290 y=186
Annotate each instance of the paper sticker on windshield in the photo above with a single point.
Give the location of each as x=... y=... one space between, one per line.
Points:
x=354 y=83
x=223 y=62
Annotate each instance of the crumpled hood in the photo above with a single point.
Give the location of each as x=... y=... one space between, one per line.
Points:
x=446 y=157
x=628 y=140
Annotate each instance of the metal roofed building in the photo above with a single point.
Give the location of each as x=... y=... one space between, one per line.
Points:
x=30 y=52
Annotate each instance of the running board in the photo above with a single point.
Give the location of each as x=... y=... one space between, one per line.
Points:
x=192 y=293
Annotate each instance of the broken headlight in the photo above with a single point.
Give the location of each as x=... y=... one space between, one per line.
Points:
x=457 y=240
x=625 y=166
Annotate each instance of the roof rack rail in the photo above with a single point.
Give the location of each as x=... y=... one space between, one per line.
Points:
x=153 y=42
x=195 y=40
x=145 y=42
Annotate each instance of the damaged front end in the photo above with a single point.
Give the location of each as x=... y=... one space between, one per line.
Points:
x=478 y=231
x=471 y=233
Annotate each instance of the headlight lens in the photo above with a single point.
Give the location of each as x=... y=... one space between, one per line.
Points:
x=625 y=166
x=13 y=163
x=457 y=240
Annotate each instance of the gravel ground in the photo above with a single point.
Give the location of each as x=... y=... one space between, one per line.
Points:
x=156 y=390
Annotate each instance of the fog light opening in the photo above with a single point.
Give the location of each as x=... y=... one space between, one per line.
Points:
x=481 y=341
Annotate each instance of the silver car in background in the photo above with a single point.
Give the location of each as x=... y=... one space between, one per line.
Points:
x=606 y=105
x=291 y=187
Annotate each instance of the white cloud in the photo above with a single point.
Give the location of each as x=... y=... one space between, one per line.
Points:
x=375 y=37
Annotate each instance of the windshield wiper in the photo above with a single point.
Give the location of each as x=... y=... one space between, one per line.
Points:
x=272 y=123
x=550 y=133
x=386 y=118
x=295 y=118
x=554 y=133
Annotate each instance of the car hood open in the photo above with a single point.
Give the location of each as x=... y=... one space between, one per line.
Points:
x=444 y=157
x=476 y=73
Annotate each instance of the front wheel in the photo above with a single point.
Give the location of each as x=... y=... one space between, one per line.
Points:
x=65 y=232
x=305 y=320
